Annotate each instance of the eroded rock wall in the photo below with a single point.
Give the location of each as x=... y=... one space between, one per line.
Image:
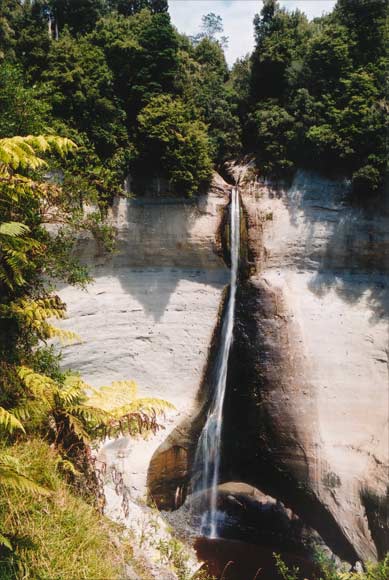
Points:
x=150 y=313
x=307 y=410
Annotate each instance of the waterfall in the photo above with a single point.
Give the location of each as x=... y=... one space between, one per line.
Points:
x=207 y=460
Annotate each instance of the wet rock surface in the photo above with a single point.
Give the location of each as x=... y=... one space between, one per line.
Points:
x=306 y=416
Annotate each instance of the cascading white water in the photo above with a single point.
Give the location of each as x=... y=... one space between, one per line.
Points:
x=209 y=447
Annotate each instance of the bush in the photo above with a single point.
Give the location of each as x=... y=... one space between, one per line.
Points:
x=175 y=146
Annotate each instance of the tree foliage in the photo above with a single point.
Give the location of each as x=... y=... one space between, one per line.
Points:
x=88 y=69
x=80 y=86
x=317 y=92
x=181 y=145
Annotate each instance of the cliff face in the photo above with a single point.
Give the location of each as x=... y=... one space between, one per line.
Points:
x=309 y=367
x=150 y=313
x=307 y=406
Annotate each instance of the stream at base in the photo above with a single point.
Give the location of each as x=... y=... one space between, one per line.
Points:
x=234 y=560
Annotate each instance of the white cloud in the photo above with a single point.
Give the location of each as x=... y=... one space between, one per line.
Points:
x=237 y=18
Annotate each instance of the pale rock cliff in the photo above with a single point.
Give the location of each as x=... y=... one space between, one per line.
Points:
x=150 y=313
x=307 y=406
x=309 y=368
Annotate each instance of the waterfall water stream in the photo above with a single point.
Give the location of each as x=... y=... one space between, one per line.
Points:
x=209 y=447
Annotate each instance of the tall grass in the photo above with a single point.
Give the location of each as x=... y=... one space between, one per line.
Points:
x=59 y=537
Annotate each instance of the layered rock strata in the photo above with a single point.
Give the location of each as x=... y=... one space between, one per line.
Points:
x=151 y=311
x=307 y=411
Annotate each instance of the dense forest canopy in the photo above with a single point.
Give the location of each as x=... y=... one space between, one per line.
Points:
x=92 y=90
x=311 y=94
x=95 y=71
x=316 y=92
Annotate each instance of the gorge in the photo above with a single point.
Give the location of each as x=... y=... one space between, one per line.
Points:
x=194 y=290
x=310 y=347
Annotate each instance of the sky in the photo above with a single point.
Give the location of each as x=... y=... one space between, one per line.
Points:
x=237 y=18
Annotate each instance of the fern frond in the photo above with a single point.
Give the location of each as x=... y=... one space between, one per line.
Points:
x=13 y=229
x=39 y=385
x=65 y=336
x=67 y=466
x=17 y=153
x=38 y=310
x=73 y=380
x=127 y=413
x=24 y=411
x=92 y=416
x=4 y=541
x=118 y=393
x=35 y=314
x=22 y=152
x=15 y=252
x=9 y=422
x=147 y=405
x=78 y=428
x=132 y=424
x=12 y=477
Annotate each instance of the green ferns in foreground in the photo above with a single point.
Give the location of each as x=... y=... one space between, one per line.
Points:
x=56 y=535
x=46 y=531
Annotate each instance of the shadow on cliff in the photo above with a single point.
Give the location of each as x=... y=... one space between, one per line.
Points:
x=153 y=287
x=160 y=243
x=164 y=251
x=354 y=259
x=262 y=440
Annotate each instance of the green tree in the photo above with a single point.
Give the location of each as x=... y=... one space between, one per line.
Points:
x=327 y=89
x=327 y=60
x=142 y=53
x=10 y=12
x=173 y=145
x=274 y=137
x=280 y=41
x=24 y=109
x=212 y=29
x=131 y=7
x=79 y=17
x=210 y=97
x=366 y=21
x=80 y=89
x=32 y=40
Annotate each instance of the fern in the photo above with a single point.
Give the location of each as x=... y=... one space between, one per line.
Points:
x=127 y=414
x=13 y=229
x=65 y=336
x=77 y=426
x=116 y=394
x=122 y=396
x=6 y=542
x=38 y=385
x=12 y=477
x=14 y=246
x=20 y=195
x=91 y=416
x=35 y=313
x=66 y=466
x=74 y=419
x=22 y=152
x=9 y=422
